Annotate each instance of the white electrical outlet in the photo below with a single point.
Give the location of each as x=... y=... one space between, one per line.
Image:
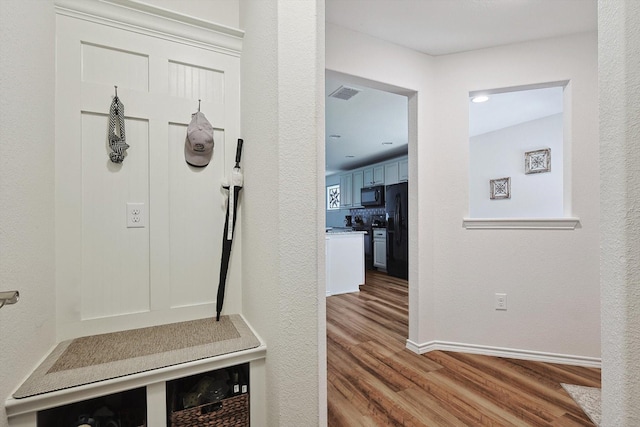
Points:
x=136 y=217
x=500 y=301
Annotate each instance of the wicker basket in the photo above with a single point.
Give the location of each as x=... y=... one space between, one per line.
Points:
x=231 y=412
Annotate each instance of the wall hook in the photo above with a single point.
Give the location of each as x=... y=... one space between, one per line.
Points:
x=198 y=105
x=9 y=297
x=116 y=87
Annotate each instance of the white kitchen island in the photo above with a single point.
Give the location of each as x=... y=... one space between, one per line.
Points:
x=345 y=261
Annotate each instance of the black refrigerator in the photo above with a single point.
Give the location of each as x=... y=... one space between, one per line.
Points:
x=397 y=207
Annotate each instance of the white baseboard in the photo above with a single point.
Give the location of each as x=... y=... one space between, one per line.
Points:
x=537 y=356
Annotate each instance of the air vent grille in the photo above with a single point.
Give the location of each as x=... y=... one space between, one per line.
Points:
x=344 y=93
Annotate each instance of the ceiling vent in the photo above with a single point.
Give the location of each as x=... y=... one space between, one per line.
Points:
x=344 y=92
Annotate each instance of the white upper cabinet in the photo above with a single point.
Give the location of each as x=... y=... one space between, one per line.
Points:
x=380 y=174
x=403 y=170
x=346 y=188
x=374 y=176
x=391 y=173
x=357 y=184
x=368 y=177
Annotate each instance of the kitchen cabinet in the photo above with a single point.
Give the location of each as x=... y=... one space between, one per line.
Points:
x=380 y=248
x=344 y=254
x=391 y=173
x=357 y=184
x=350 y=186
x=403 y=170
x=346 y=189
x=374 y=176
x=368 y=177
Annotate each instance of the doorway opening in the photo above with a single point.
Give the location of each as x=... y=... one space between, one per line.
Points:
x=370 y=132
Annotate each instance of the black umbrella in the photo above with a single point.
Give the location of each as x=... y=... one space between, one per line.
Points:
x=234 y=190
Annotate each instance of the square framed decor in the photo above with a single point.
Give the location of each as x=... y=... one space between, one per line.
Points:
x=500 y=188
x=537 y=161
x=333 y=197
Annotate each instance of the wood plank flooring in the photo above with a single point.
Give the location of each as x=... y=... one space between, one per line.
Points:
x=373 y=380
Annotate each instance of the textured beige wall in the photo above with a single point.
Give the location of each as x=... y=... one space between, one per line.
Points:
x=282 y=268
x=619 y=62
x=396 y=69
x=27 y=329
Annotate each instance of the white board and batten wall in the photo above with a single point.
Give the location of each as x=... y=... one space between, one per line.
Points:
x=110 y=277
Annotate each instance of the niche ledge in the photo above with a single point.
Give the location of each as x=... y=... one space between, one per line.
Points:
x=569 y=223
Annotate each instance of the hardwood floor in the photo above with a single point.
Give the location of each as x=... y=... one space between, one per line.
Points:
x=373 y=380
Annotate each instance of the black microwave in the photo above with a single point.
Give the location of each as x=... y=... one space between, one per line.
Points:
x=372 y=196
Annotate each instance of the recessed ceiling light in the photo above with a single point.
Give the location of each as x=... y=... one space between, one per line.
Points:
x=387 y=143
x=349 y=157
x=480 y=98
x=334 y=136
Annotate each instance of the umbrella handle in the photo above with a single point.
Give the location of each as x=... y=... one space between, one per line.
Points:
x=239 y=152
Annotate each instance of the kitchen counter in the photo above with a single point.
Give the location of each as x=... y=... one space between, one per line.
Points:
x=344 y=260
x=341 y=230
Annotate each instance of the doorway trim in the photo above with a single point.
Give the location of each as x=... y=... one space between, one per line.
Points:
x=412 y=151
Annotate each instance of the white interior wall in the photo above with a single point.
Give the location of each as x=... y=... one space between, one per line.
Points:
x=404 y=71
x=500 y=154
x=283 y=219
x=619 y=43
x=27 y=83
x=549 y=276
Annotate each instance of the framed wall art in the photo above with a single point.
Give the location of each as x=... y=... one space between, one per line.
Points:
x=537 y=161
x=333 y=197
x=500 y=188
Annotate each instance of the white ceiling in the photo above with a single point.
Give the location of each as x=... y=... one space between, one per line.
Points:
x=359 y=126
x=511 y=108
x=440 y=27
x=435 y=27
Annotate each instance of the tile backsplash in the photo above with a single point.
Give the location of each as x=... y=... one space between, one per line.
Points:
x=336 y=218
x=367 y=213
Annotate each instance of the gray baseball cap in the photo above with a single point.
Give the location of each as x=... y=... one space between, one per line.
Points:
x=198 y=147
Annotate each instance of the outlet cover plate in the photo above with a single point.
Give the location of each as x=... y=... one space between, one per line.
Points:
x=500 y=301
x=136 y=217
